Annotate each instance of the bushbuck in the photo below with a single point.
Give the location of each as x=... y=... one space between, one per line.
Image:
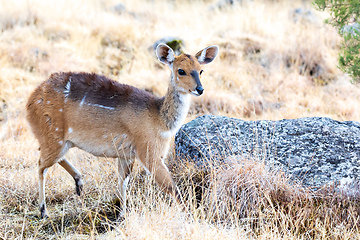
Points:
x=107 y=118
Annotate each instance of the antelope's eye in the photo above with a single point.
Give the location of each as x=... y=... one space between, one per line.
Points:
x=181 y=72
x=201 y=71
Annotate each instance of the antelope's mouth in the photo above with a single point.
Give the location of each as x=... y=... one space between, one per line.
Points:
x=197 y=92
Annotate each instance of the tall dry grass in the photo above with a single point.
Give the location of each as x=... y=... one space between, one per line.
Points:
x=271 y=66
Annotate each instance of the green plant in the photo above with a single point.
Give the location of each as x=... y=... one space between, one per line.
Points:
x=344 y=16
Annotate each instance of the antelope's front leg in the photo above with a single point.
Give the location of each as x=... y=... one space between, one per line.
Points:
x=164 y=180
x=153 y=161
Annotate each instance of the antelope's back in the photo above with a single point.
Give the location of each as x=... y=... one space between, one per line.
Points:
x=85 y=101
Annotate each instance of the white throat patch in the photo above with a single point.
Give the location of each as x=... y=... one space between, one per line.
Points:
x=182 y=112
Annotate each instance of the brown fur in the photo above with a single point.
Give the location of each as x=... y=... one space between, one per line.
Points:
x=107 y=118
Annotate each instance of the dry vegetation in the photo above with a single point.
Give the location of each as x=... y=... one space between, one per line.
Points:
x=272 y=65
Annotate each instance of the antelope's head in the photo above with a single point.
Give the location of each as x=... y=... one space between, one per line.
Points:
x=186 y=69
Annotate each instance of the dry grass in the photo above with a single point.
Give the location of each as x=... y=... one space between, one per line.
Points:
x=270 y=67
x=266 y=204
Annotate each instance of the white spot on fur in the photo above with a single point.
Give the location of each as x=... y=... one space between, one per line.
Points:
x=60 y=110
x=48 y=102
x=39 y=101
x=70 y=130
x=100 y=106
x=61 y=142
x=57 y=129
x=67 y=89
x=82 y=101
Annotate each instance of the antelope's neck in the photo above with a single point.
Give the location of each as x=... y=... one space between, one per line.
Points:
x=174 y=110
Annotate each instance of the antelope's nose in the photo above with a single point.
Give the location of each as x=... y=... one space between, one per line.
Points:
x=199 y=89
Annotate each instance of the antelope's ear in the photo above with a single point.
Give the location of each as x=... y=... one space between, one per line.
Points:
x=207 y=55
x=165 y=54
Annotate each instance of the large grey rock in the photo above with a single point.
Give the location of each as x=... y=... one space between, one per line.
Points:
x=316 y=151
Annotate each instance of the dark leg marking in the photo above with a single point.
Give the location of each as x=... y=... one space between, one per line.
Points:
x=43 y=211
x=79 y=187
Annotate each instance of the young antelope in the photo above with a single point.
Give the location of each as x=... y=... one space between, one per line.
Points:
x=107 y=118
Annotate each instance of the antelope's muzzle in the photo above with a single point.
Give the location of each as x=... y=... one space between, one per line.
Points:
x=199 y=88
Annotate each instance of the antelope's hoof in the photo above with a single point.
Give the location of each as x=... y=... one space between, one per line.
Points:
x=43 y=214
x=79 y=187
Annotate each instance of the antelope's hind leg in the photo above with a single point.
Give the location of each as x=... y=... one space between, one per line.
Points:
x=46 y=160
x=74 y=173
x=51 y=154
x=124 y=167
x=42 y=202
